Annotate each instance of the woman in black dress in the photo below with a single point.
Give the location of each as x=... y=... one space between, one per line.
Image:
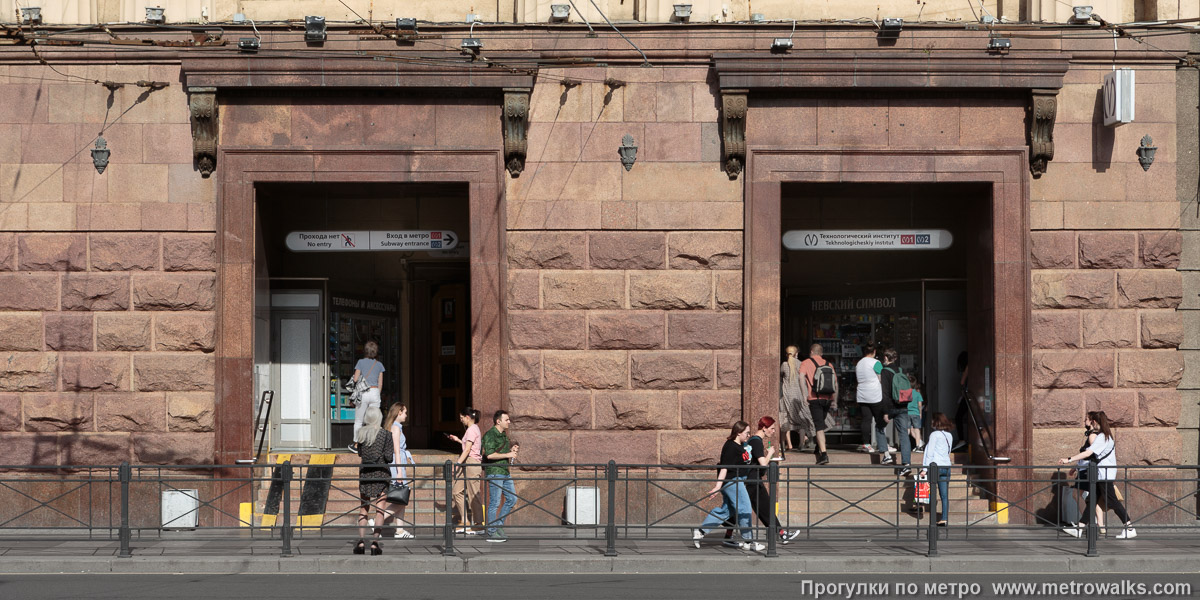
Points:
x=374 y=476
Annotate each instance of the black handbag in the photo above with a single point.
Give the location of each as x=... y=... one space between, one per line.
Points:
x=399 y=494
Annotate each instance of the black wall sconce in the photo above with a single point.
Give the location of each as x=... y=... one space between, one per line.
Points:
x=628 y=151
x=1145 y=152
x=100 y=155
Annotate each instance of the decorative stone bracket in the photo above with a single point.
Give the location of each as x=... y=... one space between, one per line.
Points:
x=516 y=129
x=202 y=104
x=733 y=129
x=1043 y=106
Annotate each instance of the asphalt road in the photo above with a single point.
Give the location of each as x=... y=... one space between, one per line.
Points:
x=584 y=587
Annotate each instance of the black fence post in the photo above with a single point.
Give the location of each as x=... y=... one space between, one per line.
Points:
x=448 y=529
x=773 y=500
x=610 y=528
x=125 y=475
x=1093 y=528
x=932 y=475
x=285 y=534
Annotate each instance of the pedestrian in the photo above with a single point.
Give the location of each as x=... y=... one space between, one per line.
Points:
x=498 y=453
x=937 y=452
x=376 y=453
x=762 y=451
x=915 y=409
x=793 y=405
x=894 y=383
x=394 y=423
x=1099 y=453
x=871 y=402
x=467 y=471
x=369 y=367
x=820 y=388
x=964 y=397
x=731 y=484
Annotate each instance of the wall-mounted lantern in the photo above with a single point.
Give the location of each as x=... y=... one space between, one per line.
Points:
x=1145 y=152
x=100 y=155
x=628 y=151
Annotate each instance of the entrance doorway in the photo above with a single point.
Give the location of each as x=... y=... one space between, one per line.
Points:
x=320 y=304
x=888 y=264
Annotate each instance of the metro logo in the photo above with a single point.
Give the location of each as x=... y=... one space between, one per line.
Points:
x=923 y=238
x=910 y=239
x=435 y=235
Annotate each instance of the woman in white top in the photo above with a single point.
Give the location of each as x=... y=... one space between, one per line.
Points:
x=1099 y=453
x=394 y=423
x=937 y=452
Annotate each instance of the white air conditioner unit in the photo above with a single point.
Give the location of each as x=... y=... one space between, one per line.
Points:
x=1118 y=97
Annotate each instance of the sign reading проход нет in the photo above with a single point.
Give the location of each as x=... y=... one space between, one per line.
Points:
x=352 y=241
x=867 y=239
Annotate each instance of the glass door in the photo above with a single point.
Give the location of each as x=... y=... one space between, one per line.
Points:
x=298 y=419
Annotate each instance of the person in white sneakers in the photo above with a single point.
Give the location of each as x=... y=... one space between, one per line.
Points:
x=731 y=484
x=1099 y=452
x=871 y=401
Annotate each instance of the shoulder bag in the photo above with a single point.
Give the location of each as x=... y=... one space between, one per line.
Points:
x=399 y=493
x=359 y=387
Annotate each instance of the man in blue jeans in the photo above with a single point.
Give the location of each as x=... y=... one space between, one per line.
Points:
x=498 y=453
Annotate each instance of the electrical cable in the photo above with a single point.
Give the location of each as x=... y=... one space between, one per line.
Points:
x=645 y=61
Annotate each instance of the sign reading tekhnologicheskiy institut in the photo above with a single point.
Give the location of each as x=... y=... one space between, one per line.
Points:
x=352 y=241
x=867 y=239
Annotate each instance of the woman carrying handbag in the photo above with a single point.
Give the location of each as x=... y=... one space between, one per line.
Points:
x=1098 y=452
x=375 y=450
x=400 y=491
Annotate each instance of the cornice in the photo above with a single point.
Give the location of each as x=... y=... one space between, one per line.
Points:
x=890 y=70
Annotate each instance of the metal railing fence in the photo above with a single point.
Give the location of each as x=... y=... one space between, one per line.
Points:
x=600 y=504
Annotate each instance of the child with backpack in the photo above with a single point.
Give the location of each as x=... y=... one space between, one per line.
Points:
x=915 y=408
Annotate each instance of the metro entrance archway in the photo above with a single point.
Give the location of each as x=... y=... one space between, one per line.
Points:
x=891 y=264
x=333 y=274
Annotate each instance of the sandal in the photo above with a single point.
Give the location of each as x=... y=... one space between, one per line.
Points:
x=375 y=549
x=360 y=547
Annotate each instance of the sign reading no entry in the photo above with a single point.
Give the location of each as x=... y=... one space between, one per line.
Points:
x=355 y=241
x=867 y=239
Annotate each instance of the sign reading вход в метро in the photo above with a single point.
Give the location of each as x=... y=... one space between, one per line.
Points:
x=352 y=241
x=867 y=239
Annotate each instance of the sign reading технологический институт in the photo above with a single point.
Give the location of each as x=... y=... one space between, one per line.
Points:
x=352 y=241
x=867 y=239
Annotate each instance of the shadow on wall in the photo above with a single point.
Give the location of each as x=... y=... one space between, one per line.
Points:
x=1103 y=138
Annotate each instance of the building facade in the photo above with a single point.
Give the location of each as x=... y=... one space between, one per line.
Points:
x=621 y=280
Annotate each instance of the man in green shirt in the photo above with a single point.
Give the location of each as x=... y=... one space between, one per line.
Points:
x=498 y=453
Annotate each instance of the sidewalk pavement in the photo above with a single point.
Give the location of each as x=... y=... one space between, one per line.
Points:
x=989 y=552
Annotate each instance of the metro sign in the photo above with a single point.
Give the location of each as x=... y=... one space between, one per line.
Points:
x=1118 y=97
x=868 y=239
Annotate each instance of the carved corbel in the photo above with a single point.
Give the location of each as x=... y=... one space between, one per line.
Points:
x=1043 y=106
x=202 y=102
x=516 y=128
x=733 y=130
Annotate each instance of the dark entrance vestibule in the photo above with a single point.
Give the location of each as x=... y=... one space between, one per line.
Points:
x=316 y=309
x=908 y=293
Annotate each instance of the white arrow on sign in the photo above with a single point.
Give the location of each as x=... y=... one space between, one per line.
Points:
x=355 y=241
x=868 y=239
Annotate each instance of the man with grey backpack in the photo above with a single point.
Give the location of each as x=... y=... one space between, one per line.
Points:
x=819 y=385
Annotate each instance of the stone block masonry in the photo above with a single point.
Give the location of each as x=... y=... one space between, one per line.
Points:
x=616 y=331
x=1106 y=336
x=108 y=341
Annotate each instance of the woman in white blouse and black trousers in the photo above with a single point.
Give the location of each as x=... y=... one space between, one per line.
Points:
x=1099 y=452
